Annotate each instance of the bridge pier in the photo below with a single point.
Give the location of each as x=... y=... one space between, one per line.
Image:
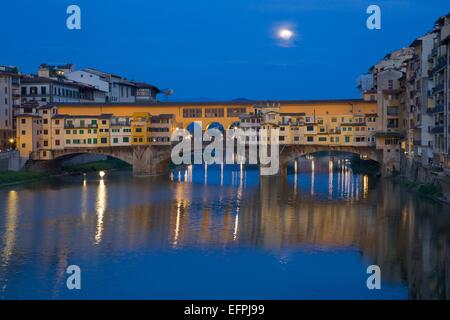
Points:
x=151 y=160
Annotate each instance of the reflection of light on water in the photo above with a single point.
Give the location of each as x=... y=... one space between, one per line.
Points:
x=189 y=171
x=238 y=207
x=330 y=179
x=313 y=166
x=339 y=177
x=295 y=176
x=11 y=227
x=241 y=173
x=100 y=210
x=177 y=224
x=236 y=226
x=84 y=200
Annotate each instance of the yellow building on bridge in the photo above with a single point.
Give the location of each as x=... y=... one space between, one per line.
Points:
x=226 y=113
x=321 y=122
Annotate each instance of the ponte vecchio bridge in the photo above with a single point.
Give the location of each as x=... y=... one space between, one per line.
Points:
x=304 y=127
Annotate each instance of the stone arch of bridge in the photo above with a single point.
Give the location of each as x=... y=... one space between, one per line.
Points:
x=291 y=153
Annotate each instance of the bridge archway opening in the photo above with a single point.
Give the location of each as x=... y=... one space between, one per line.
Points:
x=91 y=161
x=216 y=125
x=359 y=161
x=234 y=125
x=193 y=126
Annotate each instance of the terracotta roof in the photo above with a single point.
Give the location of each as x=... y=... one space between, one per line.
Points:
x=145 y=85
x=300 y=114
x=221 y=103
x=32 y=115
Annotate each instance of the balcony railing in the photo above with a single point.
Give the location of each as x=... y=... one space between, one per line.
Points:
x=438 y=108
x=441 y=63
x=393 y=113
x=434 y=52
x=437 y=129
x=79 y=126
x=438 y=88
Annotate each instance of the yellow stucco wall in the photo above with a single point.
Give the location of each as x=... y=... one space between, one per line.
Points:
x=310 y=108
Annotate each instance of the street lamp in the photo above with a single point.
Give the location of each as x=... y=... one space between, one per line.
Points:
x=11 y=143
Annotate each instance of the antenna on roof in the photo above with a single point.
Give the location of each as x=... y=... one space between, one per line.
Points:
x=167 y=93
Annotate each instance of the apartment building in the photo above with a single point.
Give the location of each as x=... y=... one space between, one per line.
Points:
x=41 y=133
x=146 y=92
x=310 y=128
x=55 y=71
x=419 y=118
x=48 y=90
x=28 y=134
x=389 y=77
x=161 y=128
x=9 y=100
x=116 y=88
x=120 y=131
x=439 y=94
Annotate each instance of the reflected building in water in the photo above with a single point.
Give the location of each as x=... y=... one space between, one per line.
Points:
x=327 y=207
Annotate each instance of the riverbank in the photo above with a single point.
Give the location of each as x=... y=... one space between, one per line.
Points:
x=428 y=190
x=8 y=178
x=424 y=181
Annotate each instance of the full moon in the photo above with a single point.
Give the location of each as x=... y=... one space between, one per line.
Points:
x=285 y=34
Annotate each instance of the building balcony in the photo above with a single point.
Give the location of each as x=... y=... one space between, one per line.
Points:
x=434 y=52
x=393 y=113
x=438 y=108
x=437 y=129
x=438 y=88
x=440 y=64
x=77 y=126
x=121 y=123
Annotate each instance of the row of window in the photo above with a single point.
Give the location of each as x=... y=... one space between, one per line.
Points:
x=81 y=131
x=155 y=139
x=93 y=141
x=57 y=91
x=213 y=112
x=123 y=130
x=86 y=141
x=336 y=139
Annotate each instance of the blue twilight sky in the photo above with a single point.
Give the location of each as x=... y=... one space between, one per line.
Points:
x=217 y=49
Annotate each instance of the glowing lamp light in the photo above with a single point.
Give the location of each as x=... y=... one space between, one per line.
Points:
x=11 y=140
x=101 y=174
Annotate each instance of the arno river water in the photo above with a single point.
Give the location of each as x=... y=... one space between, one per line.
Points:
x=223 y=232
